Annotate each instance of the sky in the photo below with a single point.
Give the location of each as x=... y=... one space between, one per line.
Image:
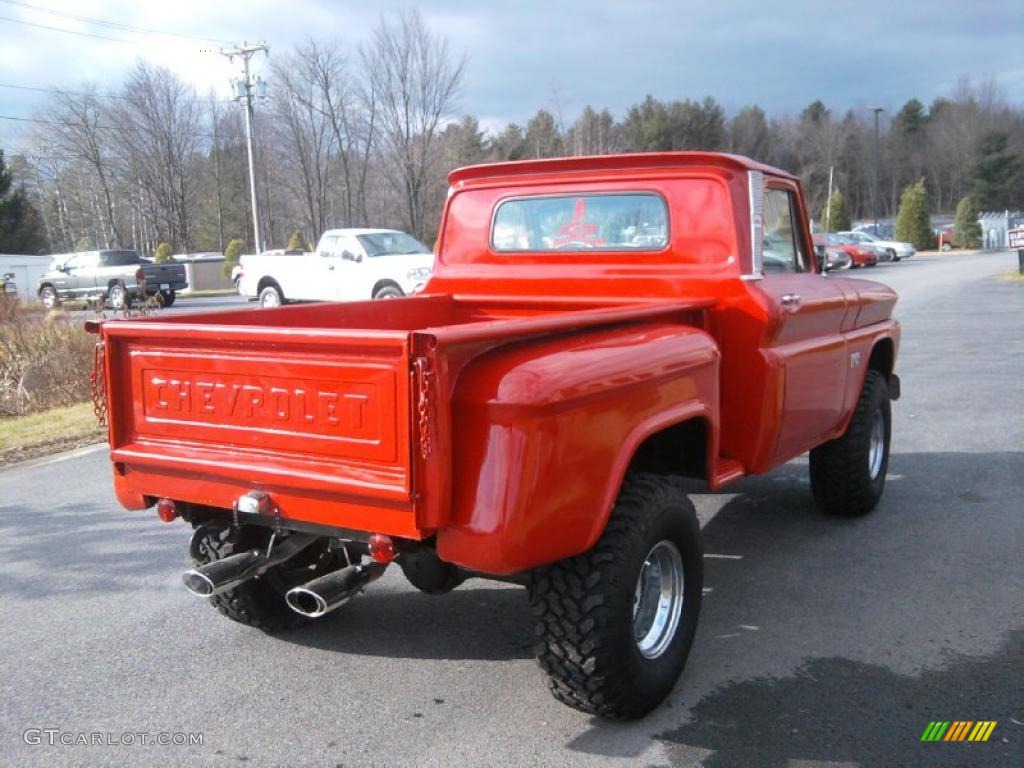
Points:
x=556 y=54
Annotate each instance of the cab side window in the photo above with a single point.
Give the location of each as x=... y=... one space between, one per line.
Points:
x=329 y=246
x=783 y=247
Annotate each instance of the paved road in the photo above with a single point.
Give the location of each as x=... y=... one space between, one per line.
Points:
x=184 y=304
x=823 y=642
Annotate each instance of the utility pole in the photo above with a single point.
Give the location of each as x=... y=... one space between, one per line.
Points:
x=876 y=110
x=245 y=90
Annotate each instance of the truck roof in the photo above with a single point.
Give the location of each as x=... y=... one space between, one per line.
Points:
x=597 y=163
x=357 y=231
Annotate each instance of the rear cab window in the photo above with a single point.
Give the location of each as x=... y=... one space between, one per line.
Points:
x=559 y=223
x=119 y=258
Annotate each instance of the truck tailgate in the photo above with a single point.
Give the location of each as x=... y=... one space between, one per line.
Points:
x=318 y=418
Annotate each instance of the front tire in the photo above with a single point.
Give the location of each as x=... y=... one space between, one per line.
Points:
x=615 y=625
x=848 y=473
x=388 y=291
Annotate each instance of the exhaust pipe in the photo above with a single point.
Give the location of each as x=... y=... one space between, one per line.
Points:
x=324 y=594
x=221 y=575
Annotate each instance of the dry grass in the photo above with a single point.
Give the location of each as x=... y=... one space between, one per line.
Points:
x=45 y=360
x=1010 y=276
x=57 y=429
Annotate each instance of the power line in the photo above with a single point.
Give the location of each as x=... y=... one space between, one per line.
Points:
x=66 y=92
x=60 y=29
x=112 y=24
x=79 y=125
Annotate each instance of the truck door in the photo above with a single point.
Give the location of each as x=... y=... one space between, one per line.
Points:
x=82 y=273
x=807 y=336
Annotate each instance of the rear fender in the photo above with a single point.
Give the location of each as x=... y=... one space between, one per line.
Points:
x=547 y=430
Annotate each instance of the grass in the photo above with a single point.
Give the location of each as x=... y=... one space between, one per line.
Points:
x=57 y=429
x=1010 y=276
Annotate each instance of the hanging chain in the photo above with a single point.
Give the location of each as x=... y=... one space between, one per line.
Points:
x=98 y=385
x=424 y=406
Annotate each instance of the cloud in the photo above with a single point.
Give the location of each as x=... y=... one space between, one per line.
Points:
x=561 y=55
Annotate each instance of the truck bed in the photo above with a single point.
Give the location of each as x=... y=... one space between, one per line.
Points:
x=339 y=412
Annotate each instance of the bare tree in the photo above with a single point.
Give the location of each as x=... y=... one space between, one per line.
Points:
x=416 y=82
x=158 y=120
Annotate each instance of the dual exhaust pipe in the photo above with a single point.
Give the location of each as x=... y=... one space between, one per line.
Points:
x=313 y=599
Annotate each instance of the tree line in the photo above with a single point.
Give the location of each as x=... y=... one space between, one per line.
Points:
x=366 y=137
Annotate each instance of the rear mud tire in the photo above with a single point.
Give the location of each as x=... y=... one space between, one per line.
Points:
x=258 y=602
x=584 y=612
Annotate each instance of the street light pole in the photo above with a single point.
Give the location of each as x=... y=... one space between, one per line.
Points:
x=244 y=92
x=876 y=110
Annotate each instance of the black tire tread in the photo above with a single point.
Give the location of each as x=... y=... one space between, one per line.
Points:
x=255 y=603
x=839 y=479
x=574 y=626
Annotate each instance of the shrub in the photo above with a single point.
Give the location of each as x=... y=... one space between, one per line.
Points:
x=836 y=214
x=231 y=254
x=45 y=360
x=162 y=255
x=913 y=223
x=296 y=242
x=966 y=227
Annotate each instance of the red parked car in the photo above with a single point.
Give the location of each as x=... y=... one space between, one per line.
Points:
x=859 y=256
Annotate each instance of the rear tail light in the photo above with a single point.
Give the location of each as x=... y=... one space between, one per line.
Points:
x=382 y=548
x=166 y=510
x=139 y=274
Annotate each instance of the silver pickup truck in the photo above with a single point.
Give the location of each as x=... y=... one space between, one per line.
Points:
x=120 y=276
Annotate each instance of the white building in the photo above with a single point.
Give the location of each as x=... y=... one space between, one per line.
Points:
x=27 y=271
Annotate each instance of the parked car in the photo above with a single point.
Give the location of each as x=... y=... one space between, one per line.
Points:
x=860 y=255
x=348 y=265
x=897 y=250
x=943 y=238
x=119 y=276
x=834 y=259
x=8 y=287
x=528 y=417
x=886 y=230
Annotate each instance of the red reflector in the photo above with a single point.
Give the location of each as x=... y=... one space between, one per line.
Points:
x=139 y=274
x=165 y=510
x=382 y=548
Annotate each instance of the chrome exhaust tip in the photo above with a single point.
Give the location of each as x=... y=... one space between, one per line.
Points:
x=198 y=584
x=325 y=593
x=307 y=602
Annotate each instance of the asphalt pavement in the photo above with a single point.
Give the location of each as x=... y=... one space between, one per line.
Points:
x=822 y=642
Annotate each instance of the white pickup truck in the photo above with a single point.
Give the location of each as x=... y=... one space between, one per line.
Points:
x=348 y=265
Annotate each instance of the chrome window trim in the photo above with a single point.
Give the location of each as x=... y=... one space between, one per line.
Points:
x=755 y=186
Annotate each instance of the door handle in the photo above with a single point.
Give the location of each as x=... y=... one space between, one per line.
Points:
x=791 y=300
x=331 y=267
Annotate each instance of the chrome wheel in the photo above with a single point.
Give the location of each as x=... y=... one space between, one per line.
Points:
x=658 y=600
x=48 y=297
x=876 y=445
x=270 y=297
x=116 y=296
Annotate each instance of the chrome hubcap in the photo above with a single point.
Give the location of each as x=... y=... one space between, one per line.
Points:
x=876 y=447
x=658 y=600
x=270 y=300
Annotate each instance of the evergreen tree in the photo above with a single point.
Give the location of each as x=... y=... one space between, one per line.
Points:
x=967 y=228
x=296 y=242
x=913 y=222
x=231 y=254
x=542 y=136
x=994 y=173
x=162 y=254
x=20 y=224
x=835 y=213
x=84 y=244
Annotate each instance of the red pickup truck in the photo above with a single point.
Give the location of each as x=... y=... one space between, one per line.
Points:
x=595 y=330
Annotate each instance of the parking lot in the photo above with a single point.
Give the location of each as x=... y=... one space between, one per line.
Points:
x=822 y=641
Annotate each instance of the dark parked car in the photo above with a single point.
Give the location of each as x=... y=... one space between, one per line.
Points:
x=120 y=277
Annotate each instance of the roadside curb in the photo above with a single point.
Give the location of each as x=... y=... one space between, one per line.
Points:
x=54 y=458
